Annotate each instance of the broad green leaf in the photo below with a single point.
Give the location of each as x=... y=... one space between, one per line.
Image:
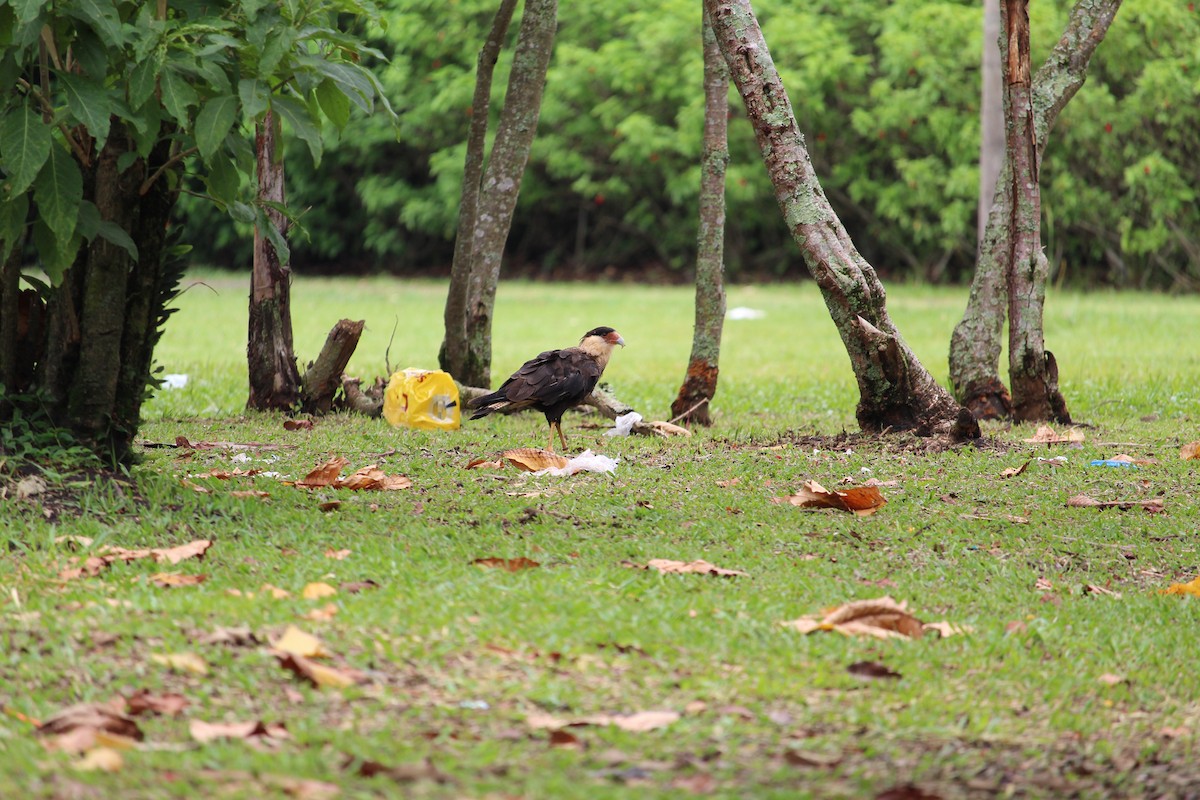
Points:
x=177 y=95
x=89 y=220
x=113 y=233
x=214 y=122
x=267 y=228
x=296 y=114
x=241 y=212
x=55 y=254
x=102 y=17
x=91 y=54
x=24 y=147
x=255 y=95
x=222 y=179
x=12 y=222
x=334 y=103
x=142 y=81
x=90 y=104
x=28 y=10
x=58 y=190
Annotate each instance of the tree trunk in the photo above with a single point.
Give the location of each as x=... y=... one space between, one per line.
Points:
x=502 y=181
x=86 y=352
x=976 y=344
x=700 y=384
x=1032 y=371
x=895 y=391
x=274 y=377
x=991 y=114
x=454 y=352
x=324 y=376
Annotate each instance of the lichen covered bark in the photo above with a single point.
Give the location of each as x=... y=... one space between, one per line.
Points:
x=692 y=404
x=895 y=391
x=502 y=181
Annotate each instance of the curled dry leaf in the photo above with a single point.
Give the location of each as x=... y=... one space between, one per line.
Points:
x=882 y=618
x=297 y=642
x=1013 y=472
x=668 y=428
x=297 y=424
x=318 y=675
x=1190 y=451
x=355 y=587
x=102 y=759
x=1153 y=506
x=530 y=459
x=1109 y=679
x=401 y=773
x=76 y=728
x=506 y=564
x=169 y=579
x=143 y=701
x=667 y=566
x=638 y=722
x=1093 y=589
x=322 y=614
x=1192 y=587
x=99 y=561
x=862 y=500
x=337 y=555
x=872 y=670
x=203 y=731
x=324 y=475
x=1046 y=435
x=181 y=662
x=315 y=591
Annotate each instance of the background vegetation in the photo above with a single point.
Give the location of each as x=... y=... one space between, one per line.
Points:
x=888 y=99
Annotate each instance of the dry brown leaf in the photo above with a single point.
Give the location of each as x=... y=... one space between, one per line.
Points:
x=99 y=561
x=324 y=475
x=945 y=630
x=330 y=505
x=882 y=618
x=145 y=702
x=104 y=759
x=181 y=662
x=315 y=591
x=297 y=424
x=1192 y=587
x=251 y=494
x=1046 y=435
x=75 y=728
x=297 y=642
x=1013 y=472
x=275 y=591
x=337 y=555
x=240 y=636
x=169 y=579
x=318 y=675
x=483 y=463
x=403 y=773
x=530 y=459
x=1093 y=589
x=668 y=428
x=203 y=731
x=507 y=564
x=1190 y=451
x=872 y=670
x=322 y=614
x=354 y=587
x=1154 y=505
x=638 y=722
x=667 y=566
x=173 y=555
x=862 y=500
x=1109 y=679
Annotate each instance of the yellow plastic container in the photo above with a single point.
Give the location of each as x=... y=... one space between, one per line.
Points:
x=422 y=398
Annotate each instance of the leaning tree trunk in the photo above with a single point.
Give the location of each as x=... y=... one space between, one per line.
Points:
x=274 y=377
x=896 y=392
x=454 y=352
x=700 y=384
x=976 y=342
x=502 y=181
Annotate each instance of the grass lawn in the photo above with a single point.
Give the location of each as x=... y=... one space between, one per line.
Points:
x=1073 y=674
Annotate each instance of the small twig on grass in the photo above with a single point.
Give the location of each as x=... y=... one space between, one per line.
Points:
x=687 y=413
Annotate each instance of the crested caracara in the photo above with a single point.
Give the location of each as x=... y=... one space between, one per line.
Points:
x=553 y=381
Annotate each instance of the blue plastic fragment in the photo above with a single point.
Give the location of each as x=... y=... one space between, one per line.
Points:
x=1108 y=462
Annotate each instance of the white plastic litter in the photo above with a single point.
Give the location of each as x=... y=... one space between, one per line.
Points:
x=742 y=312
x=174 y=381
x=623 y=425
x=587 y=461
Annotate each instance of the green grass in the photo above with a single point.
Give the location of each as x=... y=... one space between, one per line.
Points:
x=457 y=657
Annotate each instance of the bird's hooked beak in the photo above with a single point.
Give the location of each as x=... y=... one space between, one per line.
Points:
x=615 y=338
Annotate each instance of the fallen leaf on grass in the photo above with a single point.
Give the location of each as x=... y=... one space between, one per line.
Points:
x=907 y=791
x=181 y=662
x=108 y=554
x=403 y=773
x=872 y=670
x=1093 y=589
x=882 y=618
x=275 y=592
x=506 y=564
x=700 y=783
x=143 y=701
x=1013 y=472
x=337 y=555
x=315 y=591
x=297 y=642
x=251 y=494
x=204 y=732
x=332 y=505
x=169 y=579
x=368 y=478
x=322 y=614
x=76 y=728
x=240 y=636
x=667 y=566
x=1192 y=587
x=638 y=722
x=297 y=424
x=103 y=759
x=809 y=758
x=1190 y=451
x=862 y=500
x=1109 y=679
x=1152 y=506
x=1046 y=435
x=183 y=443
x=354 y=587
x=318 y=675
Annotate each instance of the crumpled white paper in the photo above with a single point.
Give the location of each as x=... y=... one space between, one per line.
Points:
x=623 y=425
x=587 y=461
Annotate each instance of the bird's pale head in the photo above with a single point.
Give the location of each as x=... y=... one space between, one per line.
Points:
x=609 y=335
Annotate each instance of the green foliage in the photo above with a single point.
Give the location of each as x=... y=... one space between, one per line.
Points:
x=887 y=97
x=30 y=439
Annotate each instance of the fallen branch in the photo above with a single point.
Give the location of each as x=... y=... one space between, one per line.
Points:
x=323 y=376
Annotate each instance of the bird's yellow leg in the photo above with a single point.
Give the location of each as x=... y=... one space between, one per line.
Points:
x=550 y=444
x=561 y=438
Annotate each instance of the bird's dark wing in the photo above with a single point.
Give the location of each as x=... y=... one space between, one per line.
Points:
x=555 y=378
